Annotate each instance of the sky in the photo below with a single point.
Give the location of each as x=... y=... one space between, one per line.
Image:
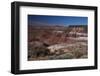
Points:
x=57 y=20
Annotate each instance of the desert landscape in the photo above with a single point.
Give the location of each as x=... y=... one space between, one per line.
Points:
x=52 y=42
x=57 y=37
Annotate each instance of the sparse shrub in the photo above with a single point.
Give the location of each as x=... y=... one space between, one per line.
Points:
x=52 y=57
x=29 y=53
x=42 y=51
x=65 y=56
x=62 y=56
x=84 y=56
x=77 y=53
x=39 y=51
x=58 y=52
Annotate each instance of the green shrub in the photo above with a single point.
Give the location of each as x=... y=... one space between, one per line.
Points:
x=65 y=56
x=84 y=56
x=77 y=53
x=52 y=57
x=62 y=56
